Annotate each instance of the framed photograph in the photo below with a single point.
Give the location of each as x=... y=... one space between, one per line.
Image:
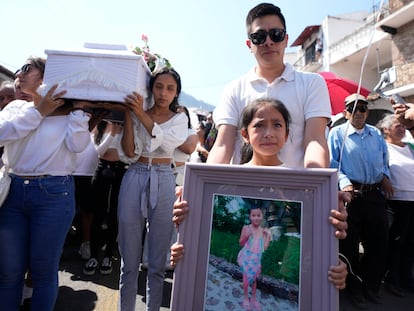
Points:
x=256 y=238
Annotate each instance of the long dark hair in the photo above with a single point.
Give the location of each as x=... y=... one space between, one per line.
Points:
x=187 y=113
x=171 y=71
x=100 y=131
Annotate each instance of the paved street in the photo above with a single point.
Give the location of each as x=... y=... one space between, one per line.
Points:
x=78 y=292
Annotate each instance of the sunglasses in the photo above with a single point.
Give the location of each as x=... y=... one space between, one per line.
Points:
x=259 y=37
x=25 y=69
x=362 y=109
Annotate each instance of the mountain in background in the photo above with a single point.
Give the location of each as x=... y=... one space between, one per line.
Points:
x=192 y=102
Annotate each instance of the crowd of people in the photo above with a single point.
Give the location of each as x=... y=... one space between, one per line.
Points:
x=367 y=170
x=66 y=157
x=119 y=175
x=374 y=164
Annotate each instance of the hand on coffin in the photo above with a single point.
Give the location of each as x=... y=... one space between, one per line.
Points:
x=51 y=101
x=135 y=102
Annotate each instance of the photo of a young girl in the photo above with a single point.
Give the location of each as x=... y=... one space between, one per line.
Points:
x=254 y=240
x=247 y=258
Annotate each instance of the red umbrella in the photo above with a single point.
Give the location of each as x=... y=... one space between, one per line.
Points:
x=339 y=88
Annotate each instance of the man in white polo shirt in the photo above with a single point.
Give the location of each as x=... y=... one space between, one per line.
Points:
x=304 y=94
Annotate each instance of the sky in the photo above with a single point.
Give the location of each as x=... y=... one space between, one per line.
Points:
x=204 y=40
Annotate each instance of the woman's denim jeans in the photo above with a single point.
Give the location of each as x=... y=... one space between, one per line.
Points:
x=34 y=221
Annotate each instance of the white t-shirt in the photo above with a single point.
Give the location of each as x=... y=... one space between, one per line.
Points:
x=304 y=94
x=401 y=162
x=38 y=145
x=87 y=160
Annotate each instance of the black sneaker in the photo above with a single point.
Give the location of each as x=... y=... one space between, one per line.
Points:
x=26 y=305
x=90 y=267
x=394 y=289
x=373 y=296
x=358 y=301
x=106 y=266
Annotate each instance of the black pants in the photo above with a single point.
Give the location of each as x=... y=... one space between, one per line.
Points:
x=105 y=189
x=368 y=224
x=83 y=189
x=401 y=250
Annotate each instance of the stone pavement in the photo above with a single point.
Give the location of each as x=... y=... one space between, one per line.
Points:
x=226 y=294
x=78 y=292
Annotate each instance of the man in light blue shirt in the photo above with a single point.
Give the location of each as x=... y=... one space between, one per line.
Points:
x=359 y=152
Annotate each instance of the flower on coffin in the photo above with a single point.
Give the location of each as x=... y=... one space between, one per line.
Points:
x=154 y=61
x=145 y=39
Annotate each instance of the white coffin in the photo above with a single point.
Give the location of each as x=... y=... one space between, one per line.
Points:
x=97 y=72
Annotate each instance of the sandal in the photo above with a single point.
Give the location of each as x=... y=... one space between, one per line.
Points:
x=246 y=304
x=256 y=305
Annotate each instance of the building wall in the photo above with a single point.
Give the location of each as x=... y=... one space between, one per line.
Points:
x=403 y=49
x=335 y=28
x=346 y=40
x=394 y=5
x=403 y=55
x=6 y=74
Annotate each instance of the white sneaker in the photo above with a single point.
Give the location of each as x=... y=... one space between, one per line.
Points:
x=27 y=293
x=85 y=250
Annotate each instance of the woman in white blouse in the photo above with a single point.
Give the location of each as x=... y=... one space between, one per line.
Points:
x=401 y=245
x=147 y=191
x=40 y=142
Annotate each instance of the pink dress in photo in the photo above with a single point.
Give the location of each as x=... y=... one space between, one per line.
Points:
x=250 y=256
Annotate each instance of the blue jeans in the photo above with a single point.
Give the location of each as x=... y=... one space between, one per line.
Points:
x=147 y=194
x=34 y=221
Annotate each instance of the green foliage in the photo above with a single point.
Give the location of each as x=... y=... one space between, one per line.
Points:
x=225 y=220
x=225 y=245
x=151 y=58
x=280 y=261
x=282 y=258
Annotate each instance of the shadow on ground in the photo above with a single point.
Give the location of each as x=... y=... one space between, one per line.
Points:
x=79 y=300
x=79 y=292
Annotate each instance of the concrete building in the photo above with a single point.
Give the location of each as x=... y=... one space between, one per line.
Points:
x=377 y=46
x=6 y=74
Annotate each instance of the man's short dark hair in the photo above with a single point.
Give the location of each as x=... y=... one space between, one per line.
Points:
x=261 y=10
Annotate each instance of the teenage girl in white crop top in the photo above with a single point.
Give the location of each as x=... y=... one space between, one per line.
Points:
x=148 y=188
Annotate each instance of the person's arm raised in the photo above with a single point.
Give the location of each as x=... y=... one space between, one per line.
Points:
x=50 y=102
x=135 y=102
